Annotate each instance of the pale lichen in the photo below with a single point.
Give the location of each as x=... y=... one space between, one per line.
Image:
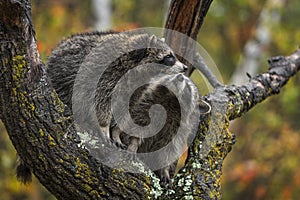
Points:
x=189 y=197
x=41 y=131
x=196 y=165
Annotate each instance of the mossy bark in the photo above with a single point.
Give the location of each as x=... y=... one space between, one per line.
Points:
x=43 y=133
x=40 y=129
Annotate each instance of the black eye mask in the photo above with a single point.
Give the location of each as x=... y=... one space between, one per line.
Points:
x=168 y=60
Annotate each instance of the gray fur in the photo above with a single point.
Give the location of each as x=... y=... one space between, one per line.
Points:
x=67 y=58
x=169 y=136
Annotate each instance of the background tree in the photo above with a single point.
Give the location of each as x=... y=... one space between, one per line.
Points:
x=290 y=95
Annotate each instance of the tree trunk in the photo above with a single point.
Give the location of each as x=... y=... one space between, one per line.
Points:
x=43 y=133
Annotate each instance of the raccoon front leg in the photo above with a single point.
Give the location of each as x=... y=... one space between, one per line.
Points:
x=134 y=144
x=164 y=174
x=116 y=137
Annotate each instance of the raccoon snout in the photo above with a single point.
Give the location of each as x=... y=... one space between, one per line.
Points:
x=185 y=68
x=182 y=66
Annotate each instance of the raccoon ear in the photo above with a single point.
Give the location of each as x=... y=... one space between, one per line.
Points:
x=152 y=41
x=163 y=39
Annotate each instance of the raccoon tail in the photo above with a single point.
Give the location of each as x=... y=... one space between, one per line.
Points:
x=23 y=172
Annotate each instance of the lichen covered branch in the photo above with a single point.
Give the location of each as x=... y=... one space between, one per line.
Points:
x=203 y=169
x=41 y=129
x=243 y=98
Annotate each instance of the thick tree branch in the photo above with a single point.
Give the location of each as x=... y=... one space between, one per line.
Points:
x=39 y=126
x=187 y=17
x=44 y=135
x=201 y=175
x=203 y=168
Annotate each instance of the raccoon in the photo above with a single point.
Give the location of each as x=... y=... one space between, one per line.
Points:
x=178 y=95
x=132 y=50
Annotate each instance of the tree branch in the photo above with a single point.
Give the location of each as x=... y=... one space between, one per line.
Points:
x=43 y=133
x=39 y=126
x=260 y=87
x=187 y=17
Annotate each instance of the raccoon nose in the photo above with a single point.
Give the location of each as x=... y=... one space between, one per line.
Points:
x=185 y=68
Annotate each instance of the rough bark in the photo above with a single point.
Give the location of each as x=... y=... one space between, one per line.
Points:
x=187 y=17
x=39 y=127
x=44 y=135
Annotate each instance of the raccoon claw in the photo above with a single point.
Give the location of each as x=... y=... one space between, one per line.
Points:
x=134 y=144
x=166 y=182
x=165 y=177
x=115 y=138
x=119 y=145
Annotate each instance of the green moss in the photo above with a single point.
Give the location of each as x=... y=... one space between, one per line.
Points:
x=41 y=132
x=51 y=140
x=31 y=106
x=42 y=157
x=87 y=187
x=83 y=172
x=19 y=63
x=18 y=71
x=14 y=91
x=95 y=194
x=83 y=169
x=59 y=106
x=209 y=149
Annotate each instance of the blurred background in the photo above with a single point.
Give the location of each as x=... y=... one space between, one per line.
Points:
x=240 y=36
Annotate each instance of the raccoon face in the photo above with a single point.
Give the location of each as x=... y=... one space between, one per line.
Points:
x=166 y=59
x=158 y=52
x=172 y=64
x=164 y=55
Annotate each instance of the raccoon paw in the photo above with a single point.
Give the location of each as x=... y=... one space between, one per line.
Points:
x=164 y=175
x=116 y=137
